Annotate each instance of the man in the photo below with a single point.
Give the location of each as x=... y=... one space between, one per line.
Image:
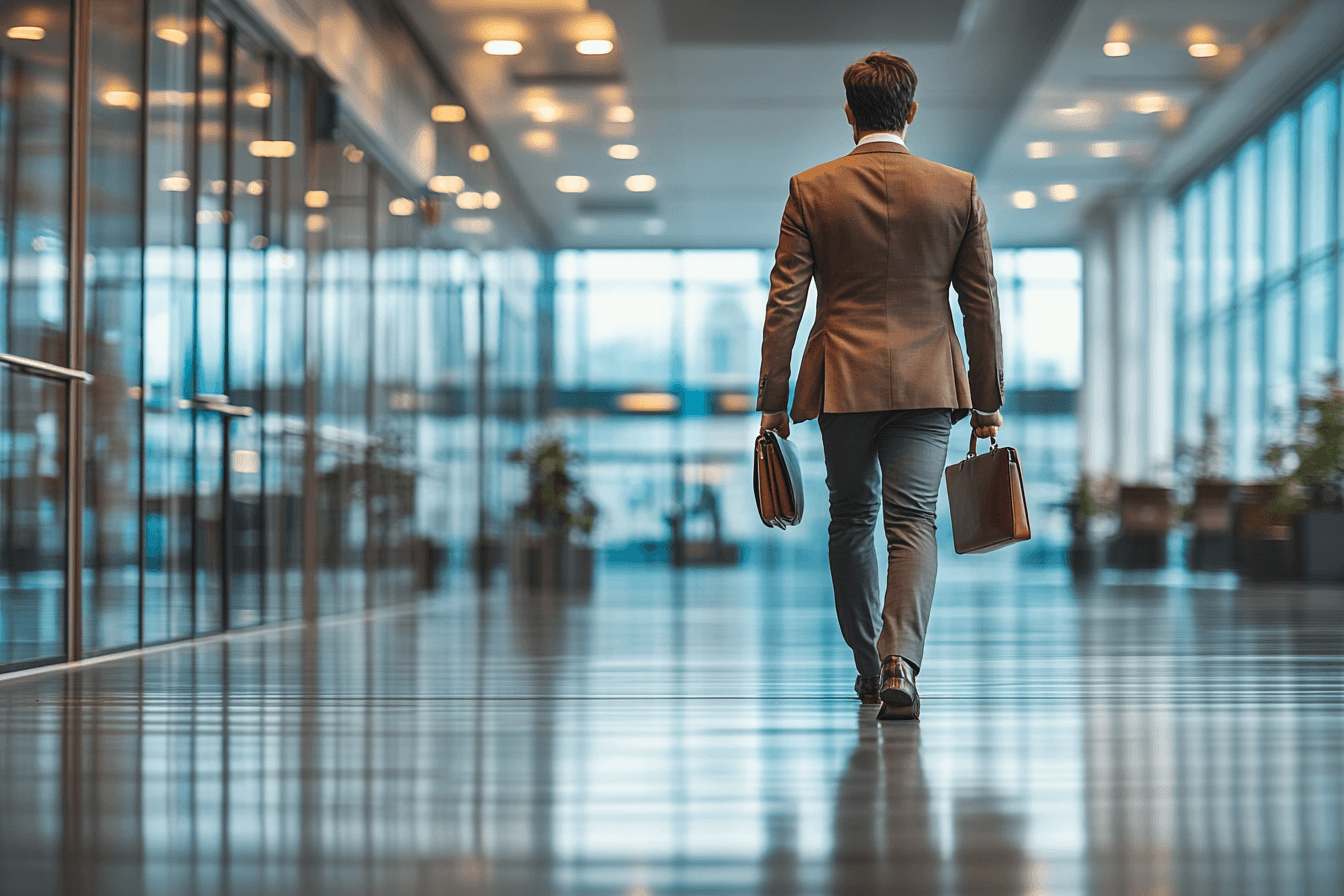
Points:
x=884 y=233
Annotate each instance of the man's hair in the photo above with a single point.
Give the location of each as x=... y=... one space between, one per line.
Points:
x=880 y=89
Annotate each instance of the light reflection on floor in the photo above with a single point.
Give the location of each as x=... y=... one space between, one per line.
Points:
x=696 y=732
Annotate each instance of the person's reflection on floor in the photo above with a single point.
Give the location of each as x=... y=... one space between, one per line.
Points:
x=884 y=827
x=882 y=833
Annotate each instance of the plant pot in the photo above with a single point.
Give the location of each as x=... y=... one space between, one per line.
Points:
x=1209 y=551
x=1083 y=559
x=1319 y=537
x=1262 y=546
x=552 y=561
x=1211 y=515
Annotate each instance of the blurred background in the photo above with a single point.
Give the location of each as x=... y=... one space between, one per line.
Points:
x=321 y=306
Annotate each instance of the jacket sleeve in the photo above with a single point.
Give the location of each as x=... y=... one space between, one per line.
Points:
x=789 y=280
x=978 y=296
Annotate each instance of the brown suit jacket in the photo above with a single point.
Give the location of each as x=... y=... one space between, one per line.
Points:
x=884 y=233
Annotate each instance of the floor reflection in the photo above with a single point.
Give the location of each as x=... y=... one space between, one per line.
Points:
x=695 y=732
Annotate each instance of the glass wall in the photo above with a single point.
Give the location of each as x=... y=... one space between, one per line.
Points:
x=1258 y=322
x=657 y=355
x=282 y=373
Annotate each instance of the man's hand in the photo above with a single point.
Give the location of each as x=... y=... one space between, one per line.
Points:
x=986 y=426
x=778 y=422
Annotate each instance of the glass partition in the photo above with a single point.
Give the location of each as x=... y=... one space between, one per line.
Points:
x=302 y=371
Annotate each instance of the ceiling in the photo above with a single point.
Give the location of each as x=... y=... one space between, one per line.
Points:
x=728 y=99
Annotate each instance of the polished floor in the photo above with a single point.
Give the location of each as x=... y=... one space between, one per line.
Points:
x=695 y=732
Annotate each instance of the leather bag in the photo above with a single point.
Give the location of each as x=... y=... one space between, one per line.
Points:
x=778 y=481
x=988 y=501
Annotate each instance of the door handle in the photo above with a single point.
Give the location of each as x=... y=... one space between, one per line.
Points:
x=217 y=403
x=42 y=368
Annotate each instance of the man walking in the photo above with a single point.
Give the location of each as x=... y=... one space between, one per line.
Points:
x=884 y=233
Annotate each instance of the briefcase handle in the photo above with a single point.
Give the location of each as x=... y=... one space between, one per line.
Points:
x=993 y=445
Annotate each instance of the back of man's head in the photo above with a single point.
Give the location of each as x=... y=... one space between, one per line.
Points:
x=880 y=90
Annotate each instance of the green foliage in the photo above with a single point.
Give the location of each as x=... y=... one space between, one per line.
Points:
x=555 y=499
x=1317 y=480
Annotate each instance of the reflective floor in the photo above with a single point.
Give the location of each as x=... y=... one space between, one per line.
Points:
x=697 y=732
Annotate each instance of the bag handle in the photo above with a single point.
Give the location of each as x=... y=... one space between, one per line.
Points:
x=993 y=445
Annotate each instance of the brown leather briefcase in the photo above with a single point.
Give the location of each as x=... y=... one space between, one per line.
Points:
x=778 y=481
x=988 y=502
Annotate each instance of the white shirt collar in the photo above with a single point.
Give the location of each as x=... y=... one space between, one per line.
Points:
x=883 y=137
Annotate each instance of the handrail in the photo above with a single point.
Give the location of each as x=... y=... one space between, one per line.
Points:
x=42 y=368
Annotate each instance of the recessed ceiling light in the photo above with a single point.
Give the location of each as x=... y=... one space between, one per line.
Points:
x=1148 y=103
x=640 y=183
x=352 y=154
x=121 y=99
x=539 y=141
x=448 y=113
x=490 y=199
x=316 y=198
x=474 y=225
x=470 y=200
x=594 y=47
x=545 y=111
x=1084 y=114
x=315 y=223
x=177 y=182
x=1105 y=149
x=1024 y=199
x=1115 y=48
x=623 y=151
x=26 y=32
x=1201 y=41
x=271 y=149
x=172 y=35
x=447 y=183
x=1063 y=192
x=479 y=152
x=1082 y=109
x=503 y=47
x=1040 y=149
x=620 y=114
x=259 y=99
x=401 y=207
x=572 y=183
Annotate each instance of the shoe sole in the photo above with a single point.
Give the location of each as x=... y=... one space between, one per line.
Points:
x=897 y=704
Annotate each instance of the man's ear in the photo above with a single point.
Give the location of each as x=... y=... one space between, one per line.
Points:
x=914 y=107
x=849 y=114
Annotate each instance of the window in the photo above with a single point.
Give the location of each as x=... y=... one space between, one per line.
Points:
x=1258 y=309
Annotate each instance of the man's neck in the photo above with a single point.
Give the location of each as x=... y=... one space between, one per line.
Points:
x=859 y=135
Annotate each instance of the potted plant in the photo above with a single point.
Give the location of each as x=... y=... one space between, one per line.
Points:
x=550 y=548
x=1310 y=487
x=1088 y=500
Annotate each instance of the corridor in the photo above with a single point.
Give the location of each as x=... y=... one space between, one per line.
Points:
x=694 y=731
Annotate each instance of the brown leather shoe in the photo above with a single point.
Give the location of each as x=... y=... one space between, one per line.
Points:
x=866 y=687
x=900 y=699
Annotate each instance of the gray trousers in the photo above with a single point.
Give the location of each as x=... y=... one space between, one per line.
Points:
x=897 y=456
